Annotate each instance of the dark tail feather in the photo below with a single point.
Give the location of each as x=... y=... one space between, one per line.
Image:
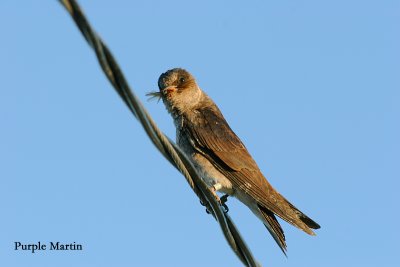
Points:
x=274 y=228
x=304 y=218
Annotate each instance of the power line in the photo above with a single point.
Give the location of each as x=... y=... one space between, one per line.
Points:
x=167 y=148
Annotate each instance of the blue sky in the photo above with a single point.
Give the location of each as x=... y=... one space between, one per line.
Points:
x=311 y=87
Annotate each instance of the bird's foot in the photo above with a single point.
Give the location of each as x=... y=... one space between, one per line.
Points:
x=223 y=200
x=203 y=204
x=214 y=190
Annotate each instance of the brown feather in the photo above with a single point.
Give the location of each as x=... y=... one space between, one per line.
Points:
x=219 y=144
x=273 y=226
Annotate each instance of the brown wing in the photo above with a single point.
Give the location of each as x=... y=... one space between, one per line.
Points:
x=213 y=137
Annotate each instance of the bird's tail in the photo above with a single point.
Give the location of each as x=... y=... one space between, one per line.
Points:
x=304 y=218
x=297 y=218
x=293 y=216
x=273 y=226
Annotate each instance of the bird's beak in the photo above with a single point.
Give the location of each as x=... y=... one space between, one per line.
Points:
x=169 y=89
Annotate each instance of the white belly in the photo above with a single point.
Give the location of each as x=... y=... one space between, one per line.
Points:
x=210 y=174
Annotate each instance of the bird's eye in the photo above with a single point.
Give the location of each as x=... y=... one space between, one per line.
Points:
x=182 y=80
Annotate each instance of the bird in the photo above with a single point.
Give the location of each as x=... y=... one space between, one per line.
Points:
x=220 y=157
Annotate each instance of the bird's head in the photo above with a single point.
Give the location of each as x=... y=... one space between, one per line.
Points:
x=178 y=90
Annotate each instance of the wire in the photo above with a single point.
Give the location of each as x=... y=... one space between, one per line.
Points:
x=167 y=148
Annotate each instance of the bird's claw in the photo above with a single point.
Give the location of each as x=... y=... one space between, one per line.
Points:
x=223 y=200
x=203 y=204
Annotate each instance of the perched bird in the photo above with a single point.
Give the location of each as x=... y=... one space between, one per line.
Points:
x=220 y=157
